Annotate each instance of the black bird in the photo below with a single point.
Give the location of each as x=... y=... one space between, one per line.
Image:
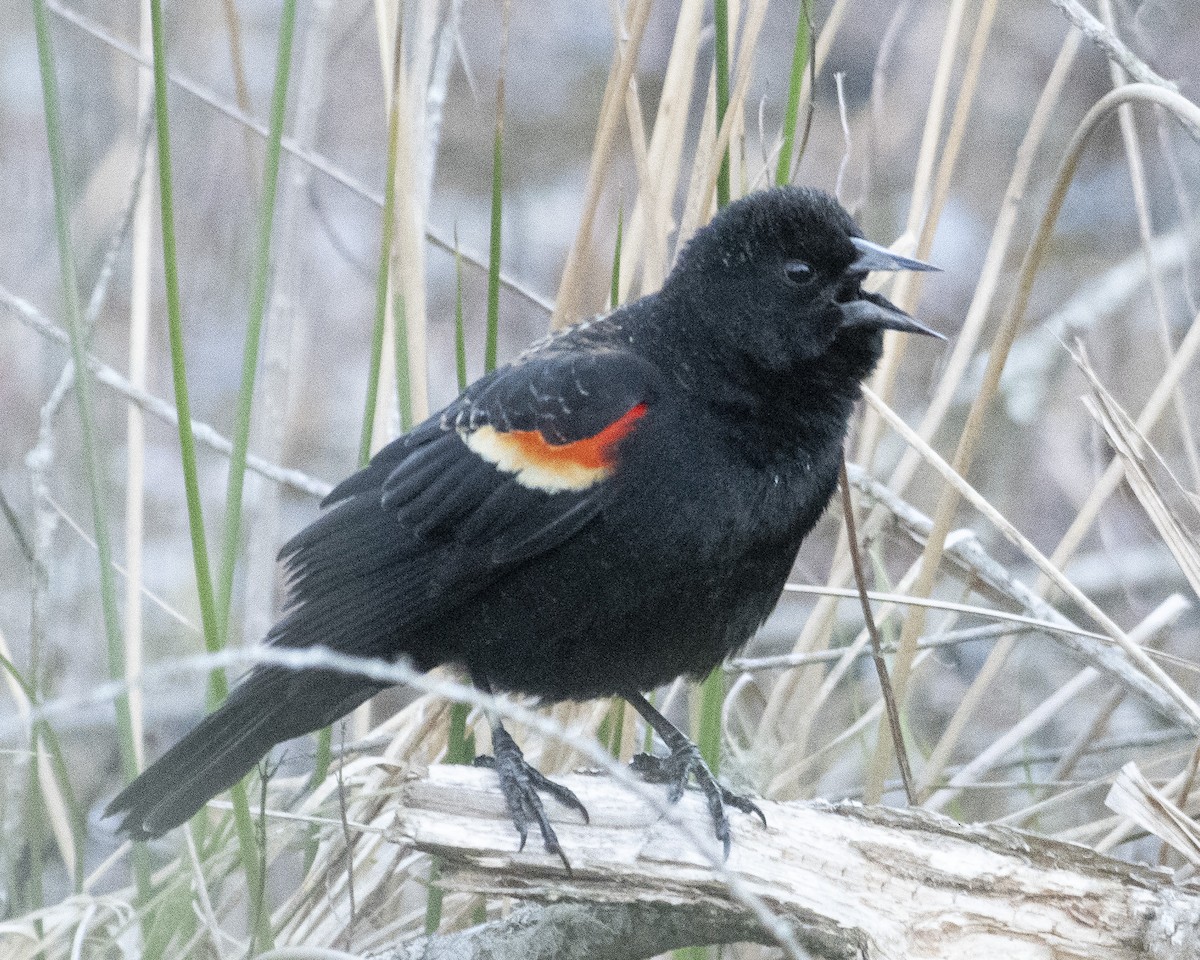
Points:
x=619 y=506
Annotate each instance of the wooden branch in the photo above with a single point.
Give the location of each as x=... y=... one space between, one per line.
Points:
x=580 y=931
x=851 y=881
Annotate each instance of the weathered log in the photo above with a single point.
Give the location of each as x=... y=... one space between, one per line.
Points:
x=849 y=880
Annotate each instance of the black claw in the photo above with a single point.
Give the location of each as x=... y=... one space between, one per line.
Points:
x=520 y=783
x=745 y=804
x=684 y=763
x=560 y=793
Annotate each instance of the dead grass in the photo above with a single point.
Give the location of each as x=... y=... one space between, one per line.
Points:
x=1004 y=732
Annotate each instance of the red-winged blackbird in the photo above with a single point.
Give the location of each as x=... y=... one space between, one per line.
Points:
x=619 y=506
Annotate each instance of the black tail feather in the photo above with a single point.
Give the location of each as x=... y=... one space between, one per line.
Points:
x=357 y=583
x=270 y=706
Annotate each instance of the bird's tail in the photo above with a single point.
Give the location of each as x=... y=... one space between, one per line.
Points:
x=269 y=706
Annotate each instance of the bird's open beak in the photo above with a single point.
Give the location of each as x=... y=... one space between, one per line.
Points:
x=875 y=311
x=871 y=256
x=872 y=310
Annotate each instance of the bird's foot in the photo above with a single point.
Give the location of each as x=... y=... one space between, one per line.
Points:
x=685 y=762
x=520 y=783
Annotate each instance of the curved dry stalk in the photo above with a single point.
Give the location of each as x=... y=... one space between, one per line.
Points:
x=1137 y=179
x=1149 y=678
x=1084 y=518
x=973 y=430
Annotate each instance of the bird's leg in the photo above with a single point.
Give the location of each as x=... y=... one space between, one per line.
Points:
x=684 y=761
x=520 y=783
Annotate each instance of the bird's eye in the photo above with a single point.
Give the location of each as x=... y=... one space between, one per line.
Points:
x=798 y=272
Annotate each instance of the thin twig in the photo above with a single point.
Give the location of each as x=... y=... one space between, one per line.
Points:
x=143 y=590
x=885 y=684
x=1150 y=681
x=349 y=841
x=1115 y=49
x=1189 y=781
x=18 y=530
x=848 y=147
x=205 y=434
x=951 y=638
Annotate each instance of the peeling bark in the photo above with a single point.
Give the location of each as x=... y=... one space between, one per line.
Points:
x=850 y=881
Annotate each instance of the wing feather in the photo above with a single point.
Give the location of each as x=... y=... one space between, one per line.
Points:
x=522 y=461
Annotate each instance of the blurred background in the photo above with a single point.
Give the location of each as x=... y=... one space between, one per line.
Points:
x=888 y=89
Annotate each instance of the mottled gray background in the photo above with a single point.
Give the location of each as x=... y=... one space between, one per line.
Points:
x=1039 y=461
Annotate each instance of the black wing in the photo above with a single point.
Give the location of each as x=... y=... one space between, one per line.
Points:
x=515 y=466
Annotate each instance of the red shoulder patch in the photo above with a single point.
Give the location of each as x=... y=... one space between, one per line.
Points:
x=553 y=467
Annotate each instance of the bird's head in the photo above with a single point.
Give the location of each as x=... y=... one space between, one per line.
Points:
x=778 y=275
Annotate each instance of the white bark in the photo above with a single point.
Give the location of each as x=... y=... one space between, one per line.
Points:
x=858 y=881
